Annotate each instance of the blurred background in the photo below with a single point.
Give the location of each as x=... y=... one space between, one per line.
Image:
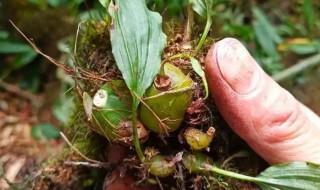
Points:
x=36 y=96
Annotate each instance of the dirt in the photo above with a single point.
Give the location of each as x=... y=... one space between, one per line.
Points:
x=20 y=154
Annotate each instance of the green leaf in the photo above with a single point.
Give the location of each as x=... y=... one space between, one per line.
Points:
x=296 y=175
x=111 y=107
x=137 y=44
x=24 y=58
x=3 y=34
x=199 y=7
x=197 y=68
x=290 y=176
x=308 y=14
x=40 y=3
x=205 y=9
x=13 y=47
x=264 y=40
x=265 y=33
x=45 y=131
x=172 y=7
x=261 y=18
x=31 y=79
x=90 y=15
x=57 y=3
x=304 y=49
x=24 y=53
x=105 y=3
x=63 y=107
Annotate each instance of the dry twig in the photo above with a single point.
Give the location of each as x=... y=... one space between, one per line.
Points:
x=94 y=162
x=86 y=75
x=22 y=93
x=297 y=68
x=79 y=163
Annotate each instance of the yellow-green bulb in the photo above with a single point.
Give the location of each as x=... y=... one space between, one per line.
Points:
x=160 y=166
x=196 y=162
x=111 y=114
x=197 y=139
x=165 y=102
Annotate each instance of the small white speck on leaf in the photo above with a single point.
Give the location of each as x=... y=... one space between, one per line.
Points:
x=100 y=98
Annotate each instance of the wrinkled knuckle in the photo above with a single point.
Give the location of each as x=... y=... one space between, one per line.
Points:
x=284 y=121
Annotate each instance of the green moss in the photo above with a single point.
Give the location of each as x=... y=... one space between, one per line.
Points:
x=82 y=137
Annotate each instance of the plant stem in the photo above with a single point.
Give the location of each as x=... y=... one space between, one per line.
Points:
x=136 y=140
x=205 y=33
x=297 y=68
x=232 y=174
x=177 y=56
x=102 y=164
x=189 y=25
x=161 y=72
x=185 y=89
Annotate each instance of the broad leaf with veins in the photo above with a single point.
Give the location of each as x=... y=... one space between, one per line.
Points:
x=291 y=176
x=137 y=43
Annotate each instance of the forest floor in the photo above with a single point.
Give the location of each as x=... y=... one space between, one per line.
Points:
x=20 y=153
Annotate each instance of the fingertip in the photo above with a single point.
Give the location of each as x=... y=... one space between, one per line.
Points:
x=264 y=114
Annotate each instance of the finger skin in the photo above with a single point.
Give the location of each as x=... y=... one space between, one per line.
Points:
x=266 y=116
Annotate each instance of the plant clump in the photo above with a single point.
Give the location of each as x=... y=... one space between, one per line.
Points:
x=140 y=89
x=142 y=99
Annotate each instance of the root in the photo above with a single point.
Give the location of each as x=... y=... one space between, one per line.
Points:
x=96 y=162
x=87 y=164
x=85 y=75
x=159 y=183
x=181 y=177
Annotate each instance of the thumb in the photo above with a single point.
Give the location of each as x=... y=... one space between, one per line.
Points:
x=266 y=116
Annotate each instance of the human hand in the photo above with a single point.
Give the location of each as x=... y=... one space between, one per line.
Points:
x=277 y=126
